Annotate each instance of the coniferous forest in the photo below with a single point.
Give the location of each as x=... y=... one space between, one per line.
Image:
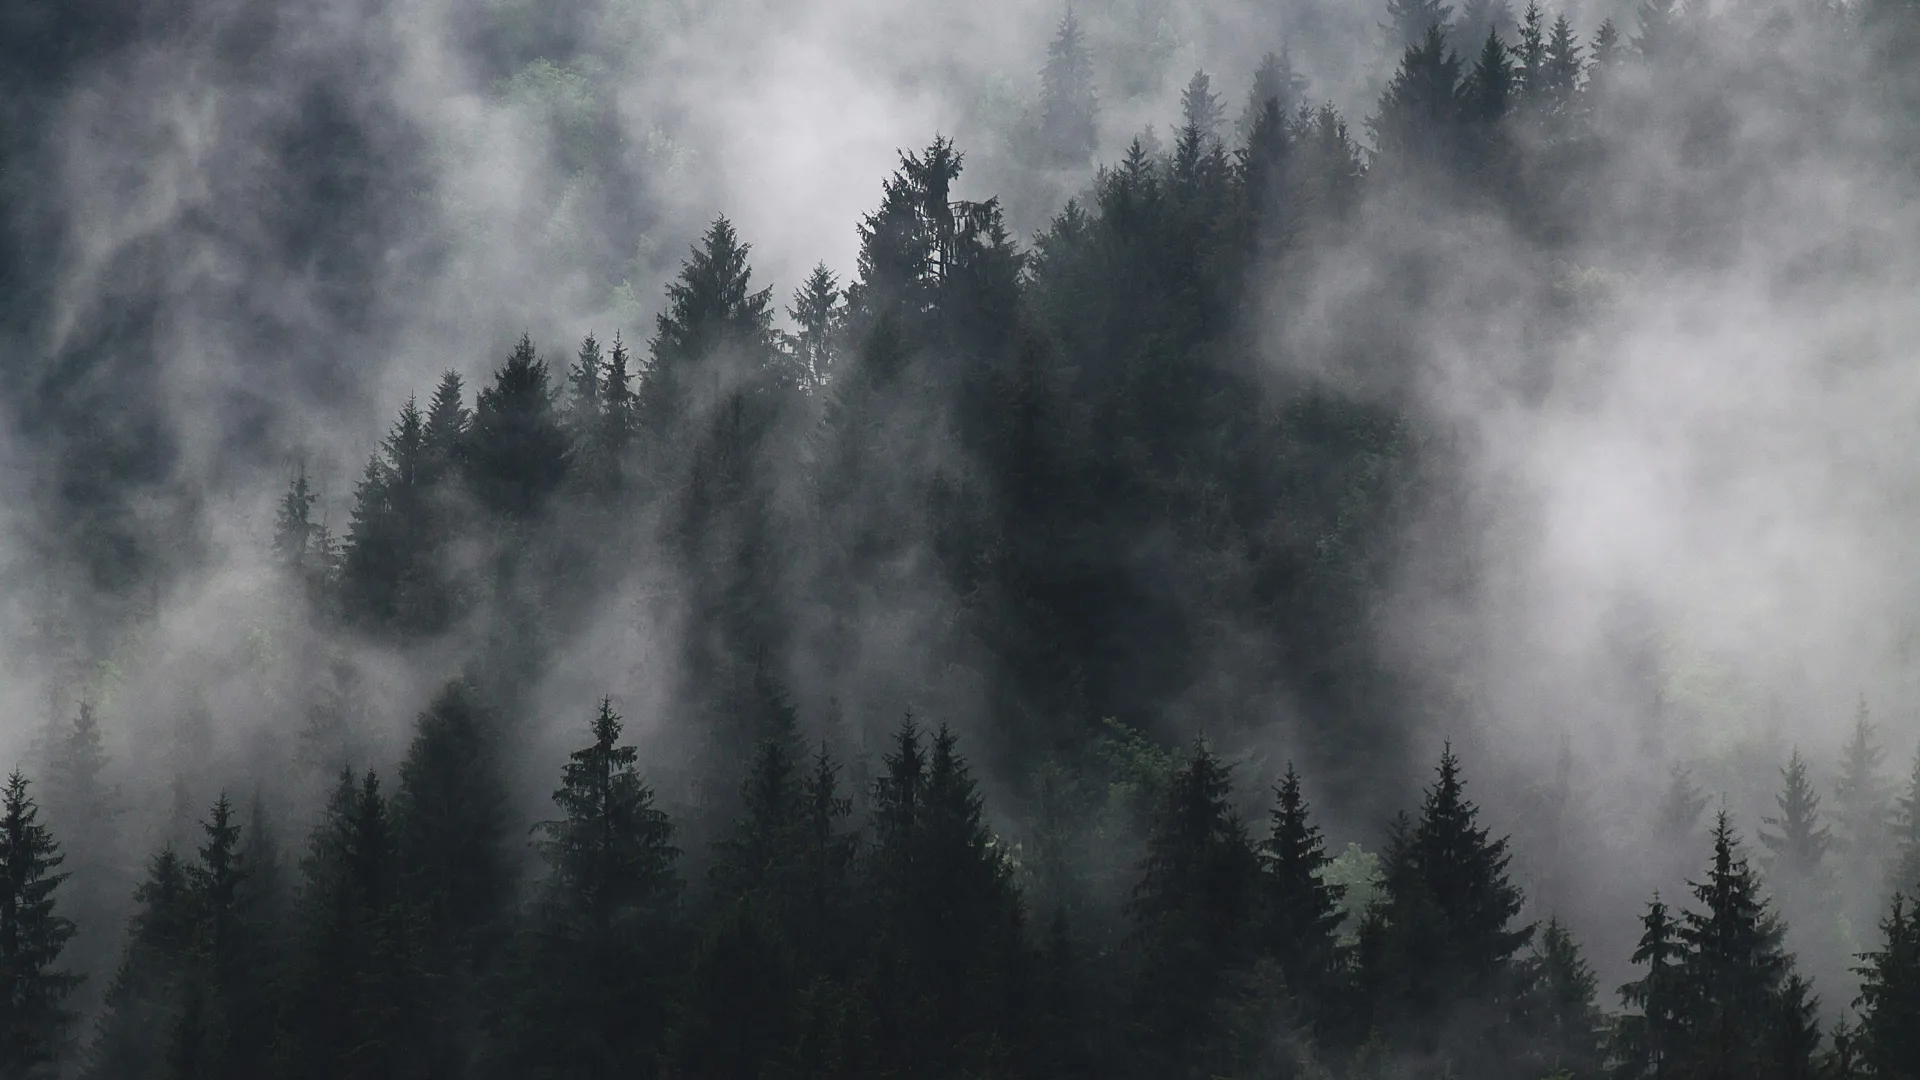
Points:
x=985 y=659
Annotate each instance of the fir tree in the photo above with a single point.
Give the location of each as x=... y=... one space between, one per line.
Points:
x=447 y=426
x=593 y=988
x=1904 y=873
x=1275 y=84
x=1734 y=969
x=817 y=312
x=142 y=1015
x=1410 y=22
x=517 y=451
x=1479 y=18
x=1560 y=1014
x=1860 y=793
x=34 y=1018
x=1069 y=110
x=585 y=387
x=1415 y=125
x=1300 y=911
x=1649 y=1041
x=1889 y=1004
x=1530 y=55
x=294 y=527
x=1797 y=841
x=1194 y=901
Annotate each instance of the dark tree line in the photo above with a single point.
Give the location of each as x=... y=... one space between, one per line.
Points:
x=885 y=931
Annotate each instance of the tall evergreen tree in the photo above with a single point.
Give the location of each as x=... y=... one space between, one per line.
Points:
x=1650 y=1040
x=142 y=1014
x=594 y=989
x=1861 y=794
x=1889 y=1033
x=1300 y=911
x=1560 y=1013
x=1410 y=22
x=1416 y=125
x=34 y=1018
x=817 y=311
x=1904 y=872
x=1439 y=944
x=1069 y=109
x=1192 y=906
x=1798 y=841
x=1734 y=969
x=517 y=451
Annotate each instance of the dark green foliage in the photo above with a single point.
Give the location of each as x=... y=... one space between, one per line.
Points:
x=1649 y=1040
x=34 y=1018
x=1797 y=840
x=594 y=965
x=1437 y=950
x=1733 y=968
x=1197 y=897
x=517 y=450
x=1299 y=911
x=951 y=970
x=1889 y=1033
x=1560 y=1018
x=1416 y=125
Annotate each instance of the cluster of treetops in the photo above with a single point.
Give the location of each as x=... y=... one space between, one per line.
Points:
x=884 y=931
x=987 y=419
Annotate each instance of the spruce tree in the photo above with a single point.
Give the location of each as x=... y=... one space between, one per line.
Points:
x=517 y=451
x=1889 y=1034
x=142 y=1014
x=1437 y=950
x=34 y=1018
x=817 y=312
x=1069 y=110
x=952 y=967
x=1904 y=871
x=593 y=989
x=1192 y=908
x=1415 y=127
x=78 y=801
x=1734 y=969
x=1797 y=840
x=1299 y=911
x=1650 y=1040
x=1559 y=1012
x=1409 y=22
x=447 y=426
x=1861 y=794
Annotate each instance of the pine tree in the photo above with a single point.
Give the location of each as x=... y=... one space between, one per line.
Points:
x=817 y=312
x=1300 y=911
x=1889 y=1004
x=1860 y=794
x=350 y=1005
x=1275 y=84
x=953 y=970
x=1561 y=67
x=294 y=528
x=1410 y=22
x=1478 y=18
x=78 y=802
x=34 y=1018
x=1904 y=873
x=448 y=423
x=517 y=451
x=1530 y=55
x=1734 y=969
x=450 y=825
x=1439 y=943
x=1797 y=841
x=593 y=986
x=1649 y=1042
x=1192 y=906
x=713 y=316
x=1489 y=84
x=1561 y=1016
x=1200 y=113
x=142 y=1015
x=1069 y=109
x=1415 y=126
x=585 y=388
x=1680 y=807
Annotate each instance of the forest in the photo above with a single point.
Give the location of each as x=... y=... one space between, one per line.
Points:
x=987 y=661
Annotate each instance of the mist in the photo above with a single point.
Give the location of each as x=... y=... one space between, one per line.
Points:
x=1116 y=406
